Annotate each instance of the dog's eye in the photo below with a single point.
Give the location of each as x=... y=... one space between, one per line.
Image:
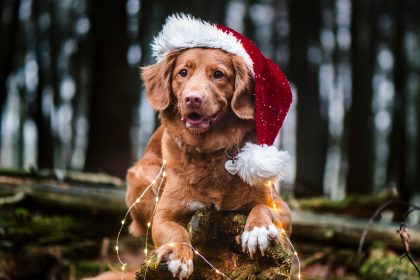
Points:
x=183 y=73
x=218 y=74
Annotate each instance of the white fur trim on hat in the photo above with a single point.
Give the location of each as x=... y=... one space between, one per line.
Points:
x=182 y=31
x=258 y=164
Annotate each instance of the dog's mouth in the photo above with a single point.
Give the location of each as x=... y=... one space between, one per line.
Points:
x=195 y=120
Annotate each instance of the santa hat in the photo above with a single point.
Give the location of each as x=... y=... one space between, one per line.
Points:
x=257 y=163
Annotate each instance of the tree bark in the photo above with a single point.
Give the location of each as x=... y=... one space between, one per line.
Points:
x=113 y=90
x=312 y=133
x=41 y=118
x=8 y=41
x=360 y=134
x=217 y=235
x=81 y=192
x=70 y=190
x=346 y=231
x=366 y=204
x=397 y=164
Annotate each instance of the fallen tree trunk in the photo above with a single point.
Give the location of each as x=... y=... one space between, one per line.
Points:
x=217 y=237
x=79 y=191
x=366 y=204
x=71 y=190
x=345 y=231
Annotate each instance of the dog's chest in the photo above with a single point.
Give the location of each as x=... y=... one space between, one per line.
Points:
x=205 y=176
x=207 y=181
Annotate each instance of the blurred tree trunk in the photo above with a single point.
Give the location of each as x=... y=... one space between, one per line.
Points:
x=312 y=133
x=416 y=69
x=113 y=90
x=363 y=55
x=42 y=119
x=398 y=159
x=8 y=33
x=249 y=25
x=54 y=39
x=280 y=34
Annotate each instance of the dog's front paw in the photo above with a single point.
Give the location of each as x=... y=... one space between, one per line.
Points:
x=179 y=259
x=260 y=237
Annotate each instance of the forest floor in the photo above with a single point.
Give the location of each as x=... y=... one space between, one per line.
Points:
x=72 y=246
x=42 y=237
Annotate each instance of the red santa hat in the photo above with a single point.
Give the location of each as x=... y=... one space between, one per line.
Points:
x=260 y=162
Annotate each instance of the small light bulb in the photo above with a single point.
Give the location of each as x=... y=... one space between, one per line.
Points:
x=157 y=199
x=164 y=161
x=282 y=230
x=196 y=252
x=123 y=267
x=116 y=248
x=154 y=181
x=122 y=222
x=217 y=271
x=148 y=224
x=138 y=200
x=295 y=253
x=145 y=251
x=171 y=244
x=299 y=276
x=164 y=174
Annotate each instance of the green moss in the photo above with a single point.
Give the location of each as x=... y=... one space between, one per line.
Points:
x=3 y=268
x=245 y=272
x=22 y=226
x=346 y=204
x=273 y=273
x=150 y=264
x=385 y=264
x=89 y=268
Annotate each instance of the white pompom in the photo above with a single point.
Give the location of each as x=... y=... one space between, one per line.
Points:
x=261 y=163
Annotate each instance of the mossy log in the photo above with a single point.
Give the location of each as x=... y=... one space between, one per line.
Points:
x=216 y=236
x=366 y=204
x=64 y=189
x=345 y=231
x=52 y=220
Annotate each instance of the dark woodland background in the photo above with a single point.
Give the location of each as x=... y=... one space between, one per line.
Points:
x=71 y=97
x=70 y=91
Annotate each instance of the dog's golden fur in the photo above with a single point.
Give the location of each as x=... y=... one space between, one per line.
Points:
x=195 y=155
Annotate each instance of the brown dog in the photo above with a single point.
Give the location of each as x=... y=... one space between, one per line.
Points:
x=206 y=107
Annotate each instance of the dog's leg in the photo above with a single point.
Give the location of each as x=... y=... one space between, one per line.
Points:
x=172 y=237
x=263 y=225
x=138 y=178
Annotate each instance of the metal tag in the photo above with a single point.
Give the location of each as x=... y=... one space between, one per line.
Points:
x=231 y=166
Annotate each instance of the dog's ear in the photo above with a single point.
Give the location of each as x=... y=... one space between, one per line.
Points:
x=242 y=100
x=157 y=80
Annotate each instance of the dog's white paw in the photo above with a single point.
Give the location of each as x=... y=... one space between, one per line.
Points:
x=180 y=269
x=260 y=237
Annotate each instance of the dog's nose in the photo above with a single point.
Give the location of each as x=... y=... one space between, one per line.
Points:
x=193 y=99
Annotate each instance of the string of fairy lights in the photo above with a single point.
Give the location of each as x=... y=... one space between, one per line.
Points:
x=159 y=182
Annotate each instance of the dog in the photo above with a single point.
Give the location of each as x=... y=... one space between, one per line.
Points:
x=206 y=107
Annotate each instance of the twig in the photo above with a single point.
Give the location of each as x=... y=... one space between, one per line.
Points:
x=402 y=231
x=405 y=238
x=371 y=220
